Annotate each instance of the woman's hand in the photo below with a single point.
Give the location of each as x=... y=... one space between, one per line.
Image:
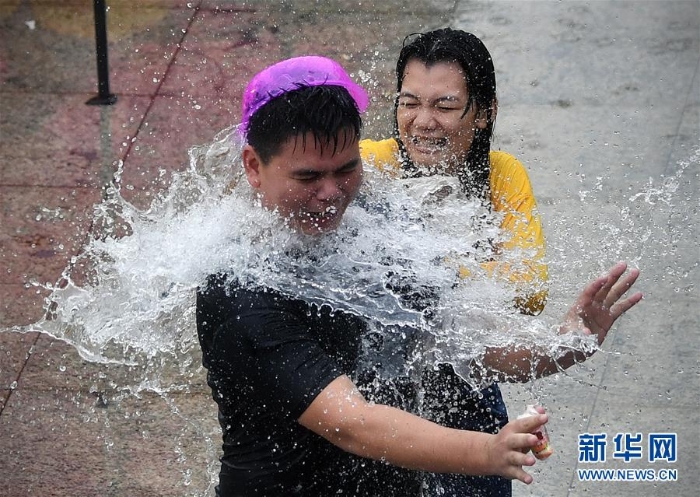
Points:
x=602 y=302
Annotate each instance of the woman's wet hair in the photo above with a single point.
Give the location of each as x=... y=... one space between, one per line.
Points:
x=328 y=112
x=465 y=49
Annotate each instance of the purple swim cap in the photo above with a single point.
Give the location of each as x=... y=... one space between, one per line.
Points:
x=293 y=74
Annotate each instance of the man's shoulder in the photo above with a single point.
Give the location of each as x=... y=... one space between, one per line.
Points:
x=216 y=287
x=221 y=287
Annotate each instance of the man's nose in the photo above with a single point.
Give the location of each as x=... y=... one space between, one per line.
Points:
x=329 y=189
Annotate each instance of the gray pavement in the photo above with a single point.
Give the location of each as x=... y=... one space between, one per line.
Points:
x=600 y=99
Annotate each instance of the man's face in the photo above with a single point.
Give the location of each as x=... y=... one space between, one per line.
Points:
x=306 y=183
x=431 y=120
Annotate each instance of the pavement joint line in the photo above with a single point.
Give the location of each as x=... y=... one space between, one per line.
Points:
x=668 y=169
x=594 y=404
x=156 y=93
x=229 y=10
x=19 y=374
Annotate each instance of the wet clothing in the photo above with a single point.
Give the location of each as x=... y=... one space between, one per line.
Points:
x=511 y=194
x=268 y=357
x=447 y=399
x=450 y=401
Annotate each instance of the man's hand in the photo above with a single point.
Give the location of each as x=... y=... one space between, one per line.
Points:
x=602 y=302
x=509 y=449
x=343 y=417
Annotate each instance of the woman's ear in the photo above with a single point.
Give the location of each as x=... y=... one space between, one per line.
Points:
x=252 y=165
x=494 y=111
x=487 y=116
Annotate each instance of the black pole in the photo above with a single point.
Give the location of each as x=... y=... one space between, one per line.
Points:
x=104 y=97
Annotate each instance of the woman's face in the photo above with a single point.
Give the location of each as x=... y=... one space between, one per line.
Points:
x=432 y=124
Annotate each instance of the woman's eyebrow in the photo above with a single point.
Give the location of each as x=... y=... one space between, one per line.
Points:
x=444 y=98
x=407 y=94
x=448 y=98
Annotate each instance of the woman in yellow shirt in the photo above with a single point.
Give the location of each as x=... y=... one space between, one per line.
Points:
x=444 y=117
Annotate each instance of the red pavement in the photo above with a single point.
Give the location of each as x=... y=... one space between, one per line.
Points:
x=178 y=68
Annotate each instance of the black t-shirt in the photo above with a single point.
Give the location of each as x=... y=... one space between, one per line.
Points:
x=268 y=357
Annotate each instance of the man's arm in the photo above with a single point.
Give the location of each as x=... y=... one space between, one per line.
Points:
x=594 y=312
x=341 y=415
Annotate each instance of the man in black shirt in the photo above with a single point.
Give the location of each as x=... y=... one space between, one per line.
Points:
x=268 y=358
x=280 y=369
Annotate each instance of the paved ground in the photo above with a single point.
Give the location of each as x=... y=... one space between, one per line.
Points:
x=601 y=100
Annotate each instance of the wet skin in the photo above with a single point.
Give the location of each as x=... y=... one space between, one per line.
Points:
x=432 y=123
x=308 y=183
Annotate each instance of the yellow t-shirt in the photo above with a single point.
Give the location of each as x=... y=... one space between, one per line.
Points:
x=511 y=194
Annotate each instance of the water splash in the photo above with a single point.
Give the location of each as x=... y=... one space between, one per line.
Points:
x=648 y=223
x=128 y=298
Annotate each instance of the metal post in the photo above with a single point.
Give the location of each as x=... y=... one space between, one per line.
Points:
x=104 y=97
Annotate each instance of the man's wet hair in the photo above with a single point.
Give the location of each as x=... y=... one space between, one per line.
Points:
x=328 y=112
x=465 y=49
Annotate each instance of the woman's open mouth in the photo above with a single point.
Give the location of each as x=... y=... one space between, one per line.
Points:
x=428 y=145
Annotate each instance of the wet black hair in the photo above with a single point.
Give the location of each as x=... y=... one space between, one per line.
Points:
x=465 y=49
x=328 y=112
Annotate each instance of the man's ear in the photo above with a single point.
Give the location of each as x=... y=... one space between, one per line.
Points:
x=252 y=165
x=487 y=116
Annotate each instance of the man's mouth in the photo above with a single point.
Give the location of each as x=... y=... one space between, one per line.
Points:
x=320 y=217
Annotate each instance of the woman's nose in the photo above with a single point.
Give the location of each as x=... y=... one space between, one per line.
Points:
x=424 y=117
